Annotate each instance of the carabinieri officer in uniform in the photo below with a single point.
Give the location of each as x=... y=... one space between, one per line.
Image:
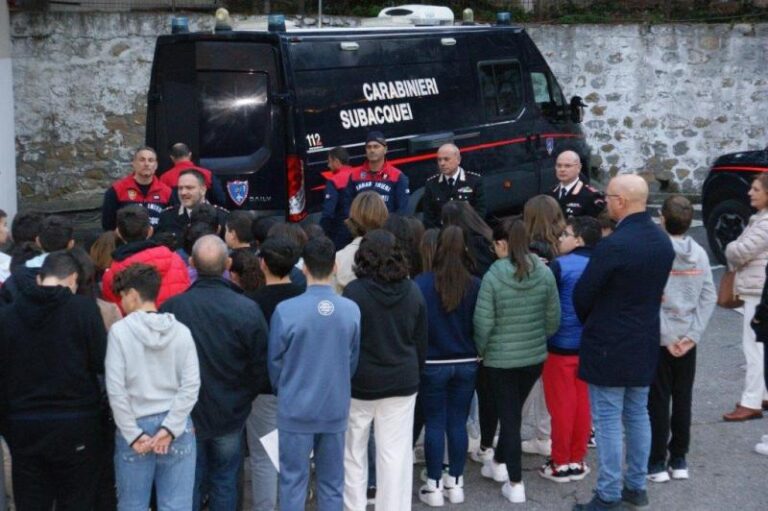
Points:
x=576 y=198
x=452 y=183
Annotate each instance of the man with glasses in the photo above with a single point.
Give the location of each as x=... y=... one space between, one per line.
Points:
x=575 y=197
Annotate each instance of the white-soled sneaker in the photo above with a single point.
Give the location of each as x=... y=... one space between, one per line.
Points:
x=762 y=448
x=578 y=471
x=678 y=467
x=432 y=494
x=453 y=488
x=764 y=439
x=658 y=477
x=537 y=446
x=514 y=492
x=556 y=473
x=482 y=454
x=495 y=471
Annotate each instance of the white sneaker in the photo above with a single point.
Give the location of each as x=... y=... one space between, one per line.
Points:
x=537 y=446
x=764 y=439
x=659 y=477
x=481 y=455
x=432 y=494
x=680 y=473
x=495 y=471
x=514 y=492
x=453 y=488
x=762 y=448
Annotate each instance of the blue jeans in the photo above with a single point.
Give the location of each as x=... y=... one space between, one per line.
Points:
x=612 y=406
x=173 y=474
x=446 y=391
x=295 y=449
x=218 y=466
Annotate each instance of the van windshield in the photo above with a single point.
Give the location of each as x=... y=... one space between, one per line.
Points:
x=233 y=113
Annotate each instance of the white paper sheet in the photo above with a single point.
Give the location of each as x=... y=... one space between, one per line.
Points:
x=271 y=444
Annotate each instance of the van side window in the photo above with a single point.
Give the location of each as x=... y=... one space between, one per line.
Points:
x=546 y=93
x=501 y=88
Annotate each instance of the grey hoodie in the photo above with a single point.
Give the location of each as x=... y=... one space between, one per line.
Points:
x=151 y=368
x=689 y=296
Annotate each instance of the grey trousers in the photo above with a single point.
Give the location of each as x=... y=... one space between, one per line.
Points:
x=262 y=420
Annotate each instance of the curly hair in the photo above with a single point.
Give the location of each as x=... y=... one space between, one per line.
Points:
x=381 y=258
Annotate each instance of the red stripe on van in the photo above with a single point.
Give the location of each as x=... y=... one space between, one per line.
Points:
x=467 y=149
x=741 y=168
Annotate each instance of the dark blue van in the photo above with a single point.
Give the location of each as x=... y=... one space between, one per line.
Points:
x=262 y=109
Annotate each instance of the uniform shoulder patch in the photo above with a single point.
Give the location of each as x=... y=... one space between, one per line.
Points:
x=592 y=189
x=219 y=208
x=169 y=208
x=472 y=173
x=433 y=177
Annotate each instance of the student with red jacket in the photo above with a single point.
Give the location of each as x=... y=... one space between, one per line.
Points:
x=142 y=187
x=134 y=229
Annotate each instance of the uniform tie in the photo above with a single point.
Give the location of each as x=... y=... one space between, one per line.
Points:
x=563 y=191
x=451 y=181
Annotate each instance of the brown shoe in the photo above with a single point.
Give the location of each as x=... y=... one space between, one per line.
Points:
x=742 y=413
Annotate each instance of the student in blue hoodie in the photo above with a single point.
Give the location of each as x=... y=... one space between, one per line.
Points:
x=314 y=343
x=566 y=395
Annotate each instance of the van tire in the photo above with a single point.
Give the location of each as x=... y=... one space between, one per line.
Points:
x=725 y=224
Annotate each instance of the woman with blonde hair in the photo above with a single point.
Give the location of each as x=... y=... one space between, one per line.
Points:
x=747 y=255
x=367 y=212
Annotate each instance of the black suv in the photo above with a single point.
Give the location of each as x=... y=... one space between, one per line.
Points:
x=725 y=204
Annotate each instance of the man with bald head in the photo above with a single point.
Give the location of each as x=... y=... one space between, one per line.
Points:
x=230 y=335
x=451 y=183
x=575 y=197
x=618 y=300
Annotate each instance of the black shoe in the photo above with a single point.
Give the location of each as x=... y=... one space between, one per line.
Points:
x=635 y=499
x=371 y=495
x=598 y=504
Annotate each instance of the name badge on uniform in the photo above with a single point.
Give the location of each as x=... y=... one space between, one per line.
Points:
x=466 y=189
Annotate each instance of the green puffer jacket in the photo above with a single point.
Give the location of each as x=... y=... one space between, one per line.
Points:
x=513 y=319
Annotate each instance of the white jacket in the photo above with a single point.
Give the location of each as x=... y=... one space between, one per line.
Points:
x=747 y=255
x=151 y=367
x=345 y=263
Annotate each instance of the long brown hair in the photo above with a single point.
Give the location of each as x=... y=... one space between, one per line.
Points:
x=451 y=267
x=427 y=248
x=544 y=221
x=519 y=255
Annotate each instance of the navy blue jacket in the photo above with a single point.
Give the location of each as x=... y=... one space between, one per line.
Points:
x=618 y=299
x=450 y=334
x=230 y=335
x=568 y=269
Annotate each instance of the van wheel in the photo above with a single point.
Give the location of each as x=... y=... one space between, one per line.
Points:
x=725 y=224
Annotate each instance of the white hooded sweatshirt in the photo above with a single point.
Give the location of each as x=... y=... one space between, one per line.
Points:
x=151 y=368
x=689 y=296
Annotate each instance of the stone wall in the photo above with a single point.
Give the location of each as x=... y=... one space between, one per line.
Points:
x=664 y=100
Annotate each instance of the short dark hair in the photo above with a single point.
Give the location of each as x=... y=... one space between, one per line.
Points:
x=196 y=173
x=240 y=222
x=339 y=153
x=381 y=258
x=26 y=226
x=55 y=233
x=180 y=150
x=290 y=230
x=144 y=278
x=144 y=148
x=313 y=231
x=60 y=264
x=3 y=214
x=261 y=226
x=207 y=214
x=133 y=223
x=319 y=257
x=194 y=232
x=678 y=215
x=280 y=254
x=586 y=228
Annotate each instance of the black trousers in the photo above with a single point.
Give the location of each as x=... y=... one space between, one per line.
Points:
x=486 y=408
x=510 y=388
x=674 y=382
x=55 y=460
